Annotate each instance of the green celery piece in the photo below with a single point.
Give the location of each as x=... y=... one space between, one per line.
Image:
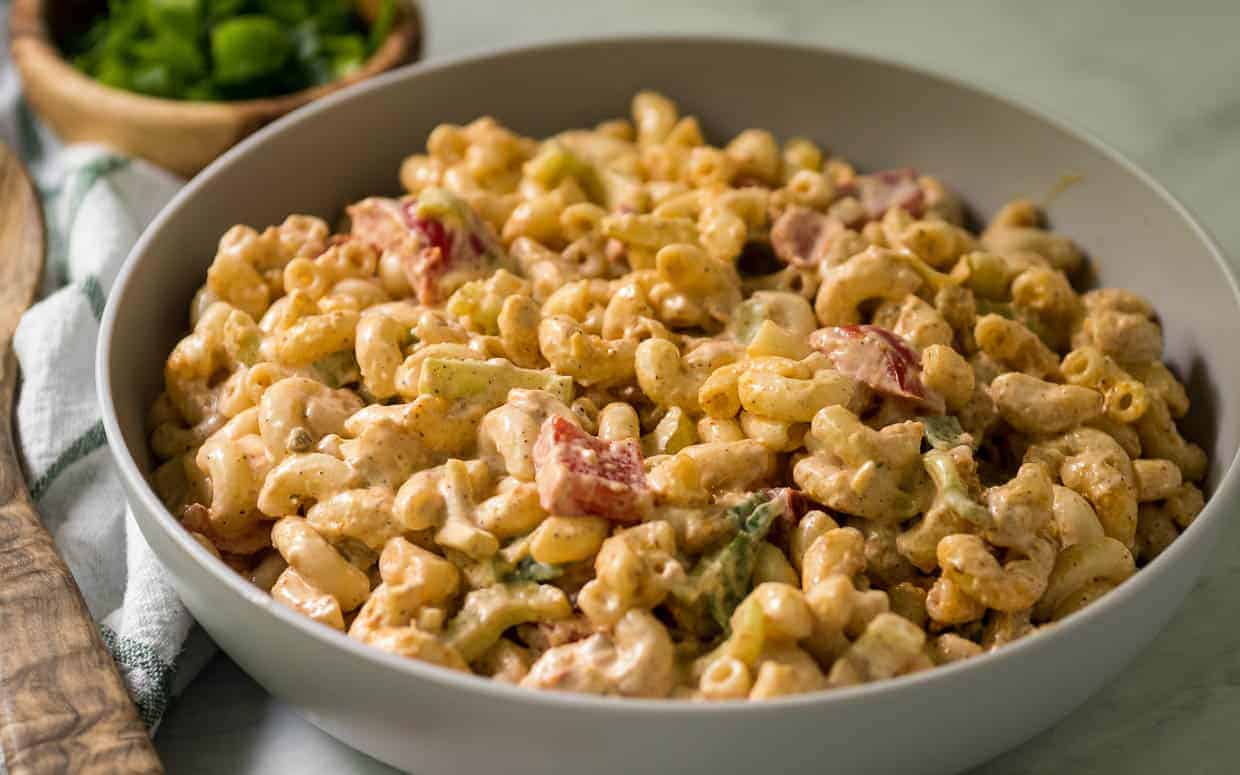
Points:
x=487 y=382
x=722 y=579
x=487 y=612
x=944 y=432
x=248 y=47
x=673 y=433
x=346 y=53
x=101 y=51
x=385 y=19
x=334 y=16
x=312 y=59
x=735 y=562
x=563 y=163
x=154 y=79
x=436 y=203
x=469 y=301
x=338 y=369
x=728 y=577
x=443 y=205
x=285 y=11
x=221 y=49
x=119 y=32
x=307 y=42
x=952 y=491
x=319 y=71
x=113 y=72
x=203 y=91
x=219 y=10
x=440 y=204
x=529 y=569
x=182 y=18
x=181 y=56
x=755 y=515
x=126 y=11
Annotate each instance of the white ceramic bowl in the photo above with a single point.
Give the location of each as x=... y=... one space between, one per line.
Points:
x=419 y=717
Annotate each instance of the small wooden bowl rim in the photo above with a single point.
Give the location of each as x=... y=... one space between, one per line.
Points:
x=28 y=24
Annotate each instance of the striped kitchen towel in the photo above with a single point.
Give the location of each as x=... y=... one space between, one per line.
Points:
x=96 y=203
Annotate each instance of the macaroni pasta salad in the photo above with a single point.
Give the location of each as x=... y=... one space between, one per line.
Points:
x=626 y=413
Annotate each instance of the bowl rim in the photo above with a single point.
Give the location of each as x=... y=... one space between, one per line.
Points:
x=402 y=43
x=1226 y=490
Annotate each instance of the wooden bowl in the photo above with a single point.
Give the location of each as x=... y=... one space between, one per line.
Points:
x=179 y=136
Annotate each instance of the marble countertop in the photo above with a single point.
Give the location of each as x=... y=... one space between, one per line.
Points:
x=1157 y=80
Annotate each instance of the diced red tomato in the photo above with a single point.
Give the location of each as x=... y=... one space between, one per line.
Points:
x=580 y=475
x=879 y=358
x=450 y=252
x=438 y=254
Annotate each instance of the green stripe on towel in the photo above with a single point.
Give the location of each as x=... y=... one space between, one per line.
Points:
x=86 y=178
x=149 y=678
x=94 y=295
x=82 y=446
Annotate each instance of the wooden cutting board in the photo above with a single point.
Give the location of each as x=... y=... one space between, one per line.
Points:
x=63 y=706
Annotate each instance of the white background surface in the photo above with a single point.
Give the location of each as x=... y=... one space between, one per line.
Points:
x=1157 y=80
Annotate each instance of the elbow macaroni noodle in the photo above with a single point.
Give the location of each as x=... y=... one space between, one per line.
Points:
x=627 y=413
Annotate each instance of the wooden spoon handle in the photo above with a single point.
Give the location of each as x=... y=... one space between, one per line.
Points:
x=63 y=706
